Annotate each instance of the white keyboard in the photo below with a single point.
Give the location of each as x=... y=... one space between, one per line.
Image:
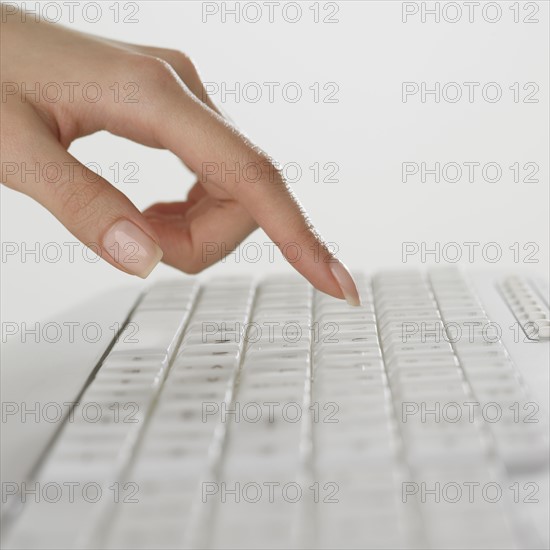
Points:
x=236 y=415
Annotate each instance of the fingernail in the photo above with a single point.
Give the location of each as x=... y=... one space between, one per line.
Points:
x=346 y=283
x=132 y=248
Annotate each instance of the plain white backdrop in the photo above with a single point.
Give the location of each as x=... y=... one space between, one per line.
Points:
x=367 y=132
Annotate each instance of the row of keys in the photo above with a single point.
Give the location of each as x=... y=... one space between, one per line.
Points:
x=95 y=445
x=425 y=377
x=170 y=466
x=354 y=432
x=528 y=307
x=520 y=442
x=262 y=453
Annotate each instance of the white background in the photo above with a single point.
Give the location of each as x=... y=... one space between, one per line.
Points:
x=369 y=133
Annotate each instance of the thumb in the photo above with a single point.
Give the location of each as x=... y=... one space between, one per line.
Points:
x=94 y=211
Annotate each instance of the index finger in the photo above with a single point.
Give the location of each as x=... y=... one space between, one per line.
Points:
x=171 y=116
x=206 y=142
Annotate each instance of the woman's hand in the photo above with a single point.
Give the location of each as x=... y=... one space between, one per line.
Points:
x=161 y=103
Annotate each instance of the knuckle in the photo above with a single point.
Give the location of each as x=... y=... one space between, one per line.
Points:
x=257 y=172
x=186 y=69
x=188 y=261
x=194 y=268
x=81 y=203
x=190 y=266
x=152 y=71
x=180 y=60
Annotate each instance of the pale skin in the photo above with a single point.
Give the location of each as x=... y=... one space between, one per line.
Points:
x=172 y=112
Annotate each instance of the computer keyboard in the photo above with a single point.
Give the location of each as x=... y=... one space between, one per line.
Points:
x=279 y=387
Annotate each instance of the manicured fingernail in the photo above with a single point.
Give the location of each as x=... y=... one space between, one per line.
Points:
x=132 y=248
x=346 y=283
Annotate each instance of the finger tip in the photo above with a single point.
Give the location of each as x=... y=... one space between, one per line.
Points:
x=346 y=283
